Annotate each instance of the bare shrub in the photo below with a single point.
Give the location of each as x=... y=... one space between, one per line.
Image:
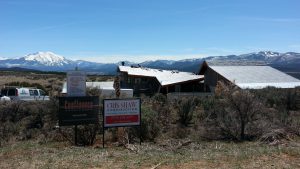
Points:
x=87 y=134
x=160 y=98
x=185 y=111
x=274 y=136
x=150 y=128
x=166 y=117
x=234 y=112
x=280 y=99
x=283 y=109
x=27 y=120
x=238 y=110
x=179 y=131
x=93 y=91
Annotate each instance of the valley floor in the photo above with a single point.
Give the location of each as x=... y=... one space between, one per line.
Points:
x=215 y=154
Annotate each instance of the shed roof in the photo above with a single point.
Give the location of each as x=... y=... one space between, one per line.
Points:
x=256 y=77
x=164 y=77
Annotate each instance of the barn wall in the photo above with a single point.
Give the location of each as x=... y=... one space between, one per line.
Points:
x=139 y=84
x=150 y=85
x=211 y=78
x=191 y=86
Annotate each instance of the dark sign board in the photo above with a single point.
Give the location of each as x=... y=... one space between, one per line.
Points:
x=78 y=110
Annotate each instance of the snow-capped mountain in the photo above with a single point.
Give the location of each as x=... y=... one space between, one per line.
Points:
x=47 y=59
x=41 y=61
x=158 y=62
x=266 y=57
x=269 y=54
x=260 y=55
x=289 y=61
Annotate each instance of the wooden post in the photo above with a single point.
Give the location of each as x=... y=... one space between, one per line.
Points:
x=140 y=123
x=103 y=128
x=121 y=130
x=75 y=135
x=103 y=137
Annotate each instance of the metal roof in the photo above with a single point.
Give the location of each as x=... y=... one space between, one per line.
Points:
x=164 y=77
x=256 y=77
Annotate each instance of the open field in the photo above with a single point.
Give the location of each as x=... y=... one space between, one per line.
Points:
x=215 y=154
x=51 y=81
x=187 y=133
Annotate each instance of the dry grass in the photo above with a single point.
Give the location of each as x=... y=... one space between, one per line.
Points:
x=165 y=153
x=214 y=154
x=51 y=82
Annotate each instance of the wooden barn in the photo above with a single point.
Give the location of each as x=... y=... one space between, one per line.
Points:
x=150 y=81
x=246 y=77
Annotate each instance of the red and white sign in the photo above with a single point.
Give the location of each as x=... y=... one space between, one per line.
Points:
x=122 y=112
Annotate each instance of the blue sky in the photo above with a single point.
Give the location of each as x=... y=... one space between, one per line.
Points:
x=136 y=30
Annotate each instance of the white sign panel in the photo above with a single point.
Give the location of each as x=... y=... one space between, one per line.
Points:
x=122 y=112
x=76 y=85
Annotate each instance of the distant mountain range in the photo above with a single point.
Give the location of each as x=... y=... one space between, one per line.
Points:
x=48 y=61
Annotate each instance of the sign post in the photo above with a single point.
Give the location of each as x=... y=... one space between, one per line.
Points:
x=76 y=86
x=121 y=113
x=76 y=108
x=121 y=130
x=78 y=111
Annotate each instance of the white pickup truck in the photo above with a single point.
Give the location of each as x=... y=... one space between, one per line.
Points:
x=24 y=93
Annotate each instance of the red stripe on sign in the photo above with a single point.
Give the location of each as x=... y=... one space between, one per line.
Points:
x=122 y=119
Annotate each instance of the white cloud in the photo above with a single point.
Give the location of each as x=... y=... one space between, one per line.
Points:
x=136 y=58
x=3 y=58
x=186 y=53
x=191 y=53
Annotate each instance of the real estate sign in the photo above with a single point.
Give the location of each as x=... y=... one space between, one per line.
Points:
x=76 y=85
x=121 y=112
x=78 y=110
